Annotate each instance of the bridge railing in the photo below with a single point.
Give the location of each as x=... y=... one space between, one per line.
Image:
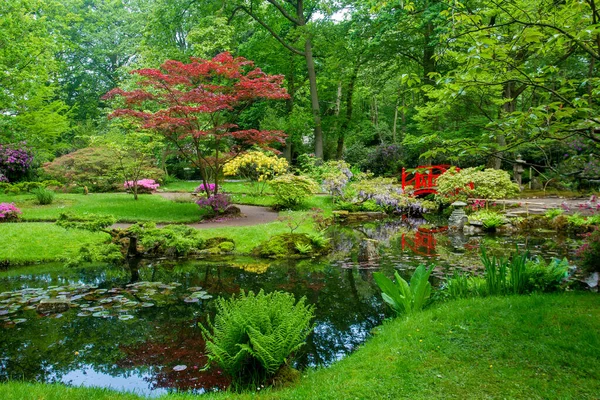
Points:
x=423 y=179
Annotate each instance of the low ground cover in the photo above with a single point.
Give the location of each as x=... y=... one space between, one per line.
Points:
x=148 y=208
x=42 y=242
x=538 y=346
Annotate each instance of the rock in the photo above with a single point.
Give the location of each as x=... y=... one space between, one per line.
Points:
x=232 y=211
x=53 y=306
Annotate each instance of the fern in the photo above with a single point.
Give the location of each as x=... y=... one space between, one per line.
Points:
x=253 y=336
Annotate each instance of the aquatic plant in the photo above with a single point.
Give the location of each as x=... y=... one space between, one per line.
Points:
x=402 y=297
x=503 y=275
x=254 y=336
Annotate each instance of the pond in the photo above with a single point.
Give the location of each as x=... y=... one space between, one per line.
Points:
x=136 y=328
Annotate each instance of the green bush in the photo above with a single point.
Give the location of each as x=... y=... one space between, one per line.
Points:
x=487 y=184
x=401 y=297
x=553 y=212
x=490 y=219
x=291 y=190
x=43 y=196
x=254 y=336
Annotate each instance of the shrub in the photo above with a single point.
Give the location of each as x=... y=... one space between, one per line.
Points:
x=15 y=160
x=553 y=212
x=383 y=160
x=257 y=167
x=490 y=219
x=291 y=190
x=388 y=195
x=402 y=297
x=171 y=240
x=254 y=336
x=43 y=196
x=9 y=212
x=589 y=252
x=544 y=277
x=143 y=185
x=201 y=190
x=217 y=203
x=93 y=167
x=487 y=184
x=336 y=176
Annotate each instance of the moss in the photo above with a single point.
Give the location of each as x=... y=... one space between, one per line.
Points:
x=287 y=245
x=227 y=246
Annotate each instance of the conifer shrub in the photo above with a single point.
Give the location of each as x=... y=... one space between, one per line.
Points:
x=254 y=336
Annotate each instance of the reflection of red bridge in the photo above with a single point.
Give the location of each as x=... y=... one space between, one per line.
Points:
x=423 y=179
x=424 y=241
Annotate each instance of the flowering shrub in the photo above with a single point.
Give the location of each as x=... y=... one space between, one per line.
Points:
x=589 y=252
x=143 y=185
x=256 y=166
x=202 y=188
x=9 y=212
x=217 y=203
x=390 y=196
x=336 y=177
x=291 y=190
x=487 y=184
x=15 y=160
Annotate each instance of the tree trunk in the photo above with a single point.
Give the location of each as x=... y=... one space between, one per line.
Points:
x=314 y=99
x=495 y=160
x=349 y=110
x=289 y=107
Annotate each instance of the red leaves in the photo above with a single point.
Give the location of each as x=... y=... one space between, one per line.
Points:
x=198 y=102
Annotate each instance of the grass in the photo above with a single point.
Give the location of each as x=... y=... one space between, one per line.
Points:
x=149 y=208
x=42 y=242
x=534 y=347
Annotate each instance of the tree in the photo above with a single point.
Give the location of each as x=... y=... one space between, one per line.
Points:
x=297 y=13
x=195 y=107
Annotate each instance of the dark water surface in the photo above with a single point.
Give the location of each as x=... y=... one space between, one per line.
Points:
x=145 y=337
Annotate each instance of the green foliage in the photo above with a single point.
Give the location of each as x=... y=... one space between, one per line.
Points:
x=553 y=212
x=291 y=190
x=577 y=220
x=87 y=222
x=589 y=252
x=461 y=286
x=546 y=277
x=27 y=187
x=490 y=219
x=505 y=276
x=99 y=168
x=173 y=240
x=43 y=196
x=405 y=299
x=292 y=245
x=253 y=336
x=487 y=184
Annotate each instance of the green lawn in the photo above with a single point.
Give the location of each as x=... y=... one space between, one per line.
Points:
x=41 y=242
x=525 y=347
x=148 y=208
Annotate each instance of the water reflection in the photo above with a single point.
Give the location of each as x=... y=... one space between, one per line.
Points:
x=141 y=354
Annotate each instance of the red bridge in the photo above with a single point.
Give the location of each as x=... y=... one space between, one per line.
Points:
x=423 y=179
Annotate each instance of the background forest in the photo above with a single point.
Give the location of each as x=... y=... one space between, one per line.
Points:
x=381 y=84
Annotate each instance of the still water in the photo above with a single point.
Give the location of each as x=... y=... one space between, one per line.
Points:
x=136 y=328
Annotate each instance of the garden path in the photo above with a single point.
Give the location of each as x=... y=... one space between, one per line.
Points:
x=250 y=215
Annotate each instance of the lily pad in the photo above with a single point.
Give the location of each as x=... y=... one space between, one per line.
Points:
x=101 y=314
x=146 y=305
x=179 y=368
x=191 y=300
x=84 y=314
x=126 y=317
x=19 y=320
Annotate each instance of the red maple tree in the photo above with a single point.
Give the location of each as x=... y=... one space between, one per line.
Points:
x=195 y=107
